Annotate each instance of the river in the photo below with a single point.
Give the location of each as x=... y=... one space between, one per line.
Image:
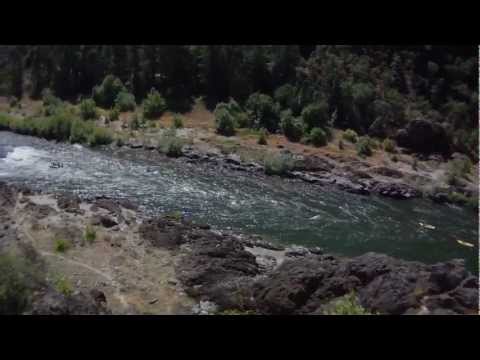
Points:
x=282 y=212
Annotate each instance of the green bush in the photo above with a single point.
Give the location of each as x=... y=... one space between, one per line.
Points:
x=114 y=114
x=18 y=279
x=318 y=137
x=364 y=146
x=62 y=245
x=125 y=101
x=106 y=93
x=79 y=132
x=48 y=98
x=88 y=109
x=99 y=136
x=51 y=104
x=460 y=199
x=278 y=164
x=287 y=96
x=177 y=121
x=346 y=305
x=350 y=135
x=316 y=115
x=263 y=111
x=154 y=105
x=460 y=167
x=225 y=122
x=170 y=144
x=389 y=146
x=262 y=138
x=90 y=234
x=64 y=286
x=292 y=128
x=240 y=118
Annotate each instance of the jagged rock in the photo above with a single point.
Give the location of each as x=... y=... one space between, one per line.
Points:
x=161 y=233
x=69 y=203
x=289 y=286
x=388 y=172
x=314 y=163
x=396 y=190
x=50 y=302
x=296 y=251
x=214 y=259
x=107 y=222
x=98 y=296
x=39 y=211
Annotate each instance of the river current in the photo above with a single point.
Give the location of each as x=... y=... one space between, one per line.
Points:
x=282 y=212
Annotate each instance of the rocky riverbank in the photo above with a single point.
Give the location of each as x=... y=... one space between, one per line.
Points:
x=167 y=265
x=345 y=173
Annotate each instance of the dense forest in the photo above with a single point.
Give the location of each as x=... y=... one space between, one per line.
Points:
x=298 y=90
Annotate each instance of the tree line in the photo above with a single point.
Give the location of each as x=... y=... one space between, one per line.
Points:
x=372 y=89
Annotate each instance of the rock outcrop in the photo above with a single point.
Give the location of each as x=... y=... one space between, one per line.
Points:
x=424 y=136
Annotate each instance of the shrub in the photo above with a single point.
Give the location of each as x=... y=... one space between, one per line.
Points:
x=292 y=128
x=106 y=93
x=51 y=103
x=80 y=131
x=177 y=122
x=64 y=286
x=350 y=135
x=224 y=121
x=346 y=305
x=62 y=245
x=88 y=109
x=114 y=114
x=318 y=137
x=364 y=146
x=286 y=96
x=99 y=136
x=56 y=127
x=90 y=234
x=262 y=139
x=460 y=167
x=389 y=146
x=18 y=279
x=278 y=164
x=395 y=158
x=170 y=144
x=243 y=120
x=136 y=122
x=48 y=98
x=340 y=144
x=263 y=111
x=316 y=115
x=461 y=199
x=125 y=101
x=154 y=105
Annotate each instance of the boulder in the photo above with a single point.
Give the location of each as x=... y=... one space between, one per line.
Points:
x=107 y=222
x=161 y=233
x=424 y=136
x=51 y=302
